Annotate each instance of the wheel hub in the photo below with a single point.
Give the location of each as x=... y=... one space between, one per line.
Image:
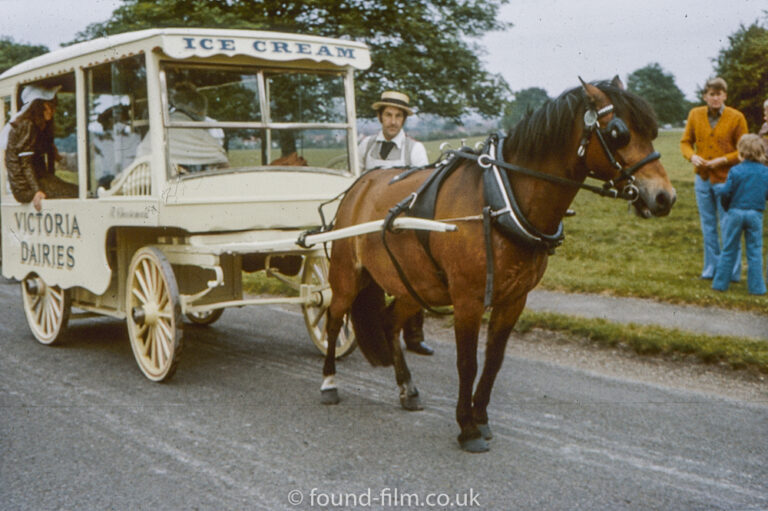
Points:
x=145 y=315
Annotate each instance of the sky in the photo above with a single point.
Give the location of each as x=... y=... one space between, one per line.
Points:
x=551 y=44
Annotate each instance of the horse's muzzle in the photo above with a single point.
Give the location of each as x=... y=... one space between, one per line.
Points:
x=657 y=202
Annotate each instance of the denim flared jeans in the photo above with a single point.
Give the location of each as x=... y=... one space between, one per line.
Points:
x=710 y=210
x=750 y=222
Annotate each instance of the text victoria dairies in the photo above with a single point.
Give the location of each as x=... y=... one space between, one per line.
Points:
x=50 y=253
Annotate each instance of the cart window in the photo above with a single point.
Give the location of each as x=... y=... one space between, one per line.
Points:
x=306 y=98
x=65 y=130
x=226 y=95
x=117 y=120
x=216 y=118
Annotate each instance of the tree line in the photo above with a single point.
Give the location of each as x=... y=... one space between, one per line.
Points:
x=425 y=48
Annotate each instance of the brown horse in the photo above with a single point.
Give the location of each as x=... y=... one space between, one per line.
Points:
x=597 y=129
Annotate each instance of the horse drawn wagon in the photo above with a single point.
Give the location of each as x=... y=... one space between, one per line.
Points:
x=197 y=155
x=200 y=154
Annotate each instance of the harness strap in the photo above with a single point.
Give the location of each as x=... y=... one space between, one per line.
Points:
x=393 y=213
x=489 y=268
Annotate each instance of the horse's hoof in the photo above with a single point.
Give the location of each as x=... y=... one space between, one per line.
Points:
x=329 y=396
x=411 y=403
x=485 y=430
x=474 y=445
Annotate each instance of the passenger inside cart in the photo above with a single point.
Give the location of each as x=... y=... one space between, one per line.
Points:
x=191 y=149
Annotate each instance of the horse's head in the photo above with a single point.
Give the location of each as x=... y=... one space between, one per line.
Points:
x=616 y=146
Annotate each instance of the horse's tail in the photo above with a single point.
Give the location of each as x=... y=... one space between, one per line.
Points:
x=371 y=321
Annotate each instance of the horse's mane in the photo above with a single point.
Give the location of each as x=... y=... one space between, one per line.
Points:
x=545 y=129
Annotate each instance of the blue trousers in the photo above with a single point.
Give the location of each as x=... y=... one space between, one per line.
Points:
x=710 y=210
x=750 y=222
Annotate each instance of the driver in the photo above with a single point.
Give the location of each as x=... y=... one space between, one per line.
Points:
x=392 y=148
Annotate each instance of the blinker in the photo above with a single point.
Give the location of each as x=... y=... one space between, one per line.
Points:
x=616 y=134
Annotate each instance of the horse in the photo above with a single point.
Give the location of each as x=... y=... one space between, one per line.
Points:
x=596 y=129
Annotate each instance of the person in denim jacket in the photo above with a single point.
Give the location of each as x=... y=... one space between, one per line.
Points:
x=743 y=196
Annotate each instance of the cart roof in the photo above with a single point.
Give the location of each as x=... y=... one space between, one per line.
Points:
x=181 y=43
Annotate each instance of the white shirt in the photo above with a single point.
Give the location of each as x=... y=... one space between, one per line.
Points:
x=396 y=157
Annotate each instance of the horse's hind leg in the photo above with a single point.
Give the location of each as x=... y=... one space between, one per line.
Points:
x=503 y=319
x=403 y=309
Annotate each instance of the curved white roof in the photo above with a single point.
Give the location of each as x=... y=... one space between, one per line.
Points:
x=198 y=42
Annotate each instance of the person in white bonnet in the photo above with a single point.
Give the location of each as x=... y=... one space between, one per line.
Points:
x=30 y=154
x=388 y=149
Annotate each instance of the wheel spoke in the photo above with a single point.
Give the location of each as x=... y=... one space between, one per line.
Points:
x=138 y=294
x=157 y=283
x=166 y=341
x=165 y=328
x=153 y=346
x=319 y=317
x=140 y=278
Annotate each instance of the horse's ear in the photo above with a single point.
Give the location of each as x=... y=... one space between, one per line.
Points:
x=590 y=90
x=616 y=82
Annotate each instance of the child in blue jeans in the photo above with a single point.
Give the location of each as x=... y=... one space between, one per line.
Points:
x=743 y=196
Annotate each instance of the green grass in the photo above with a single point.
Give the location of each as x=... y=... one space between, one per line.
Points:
x=735 y=352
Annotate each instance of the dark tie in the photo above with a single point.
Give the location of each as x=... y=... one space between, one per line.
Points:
x=386 y=147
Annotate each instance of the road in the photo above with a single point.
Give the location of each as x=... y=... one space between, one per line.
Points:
x=240 y=427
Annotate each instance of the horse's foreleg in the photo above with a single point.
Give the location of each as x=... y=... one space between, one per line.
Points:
x=503 y=319
x=409 y=395
x=467 y=327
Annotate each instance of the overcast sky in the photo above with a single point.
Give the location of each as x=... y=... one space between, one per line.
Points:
x=551 y=44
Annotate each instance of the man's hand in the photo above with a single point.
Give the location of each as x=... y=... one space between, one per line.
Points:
x=717 y=162
x=37 y=200
x=698 y=161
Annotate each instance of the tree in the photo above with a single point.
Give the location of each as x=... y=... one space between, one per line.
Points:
x=743 y=66
x=526 y=100
x=421 y=47
x=659 y=89
x=12 y=53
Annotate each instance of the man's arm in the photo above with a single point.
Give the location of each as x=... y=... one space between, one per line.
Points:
x=419 y=155
x=688 y=139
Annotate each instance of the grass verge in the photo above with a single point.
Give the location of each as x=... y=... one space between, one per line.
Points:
x=735 y=352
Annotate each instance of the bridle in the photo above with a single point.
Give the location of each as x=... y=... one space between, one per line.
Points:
x=613 y=136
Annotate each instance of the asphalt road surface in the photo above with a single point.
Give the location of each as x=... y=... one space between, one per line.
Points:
x=240 y=427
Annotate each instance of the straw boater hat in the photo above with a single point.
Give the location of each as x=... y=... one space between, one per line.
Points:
x=395 y=99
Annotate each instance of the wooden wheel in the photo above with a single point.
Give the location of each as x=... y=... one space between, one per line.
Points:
x=153 y=314
x=315 y=273
x=47 y=309
x=205 y=318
